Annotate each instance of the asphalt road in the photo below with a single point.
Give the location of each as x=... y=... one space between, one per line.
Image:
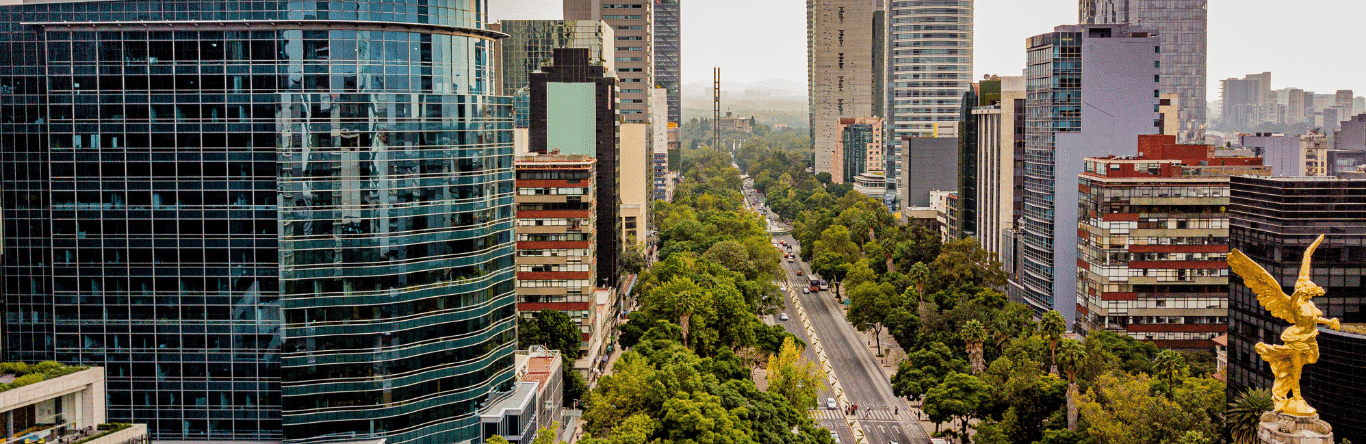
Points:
x=885 y=418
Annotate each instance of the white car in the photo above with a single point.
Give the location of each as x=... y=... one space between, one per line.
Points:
x=835 y=436
x=806 y=290
x=831 y=404
x=782 y=316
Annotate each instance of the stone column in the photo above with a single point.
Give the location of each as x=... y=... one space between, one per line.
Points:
x=1280 y=428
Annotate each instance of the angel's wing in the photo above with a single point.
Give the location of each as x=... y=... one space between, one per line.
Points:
x=1266 y=287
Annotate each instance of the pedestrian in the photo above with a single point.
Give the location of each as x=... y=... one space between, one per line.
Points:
x=896 y=410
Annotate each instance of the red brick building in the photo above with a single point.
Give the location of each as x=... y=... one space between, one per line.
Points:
x=556 y=243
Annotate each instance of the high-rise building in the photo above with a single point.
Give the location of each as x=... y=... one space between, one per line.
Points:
x=556 y=236
x=574 y=111
x=928 y=167
x=1295 y=107
x=929 y=64
x=1247 y=101
x=634 y=182
x=860 y=148
x=1273 y=220
x=255 y=226
x=840 y=74
x=531 y=43
x=1000 y=164
x=1152 y=261
x=1074 y=112
x=1182 y=28
x=669 y=55
x=1352 y=135
x=634 y=24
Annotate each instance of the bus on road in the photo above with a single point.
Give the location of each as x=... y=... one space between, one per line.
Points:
x=813 y=284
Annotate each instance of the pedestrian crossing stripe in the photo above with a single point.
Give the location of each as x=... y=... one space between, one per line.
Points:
x=870 y=415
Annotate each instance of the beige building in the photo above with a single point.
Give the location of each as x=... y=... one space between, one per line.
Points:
x=1314 y=149
x=1000 y=149
x=840 y=51
x=1167 y=107
x=635 y=181
x=860 y=149
x=633 y=25
x=68 y=408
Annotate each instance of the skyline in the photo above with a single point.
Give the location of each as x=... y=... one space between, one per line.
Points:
x=999 y=40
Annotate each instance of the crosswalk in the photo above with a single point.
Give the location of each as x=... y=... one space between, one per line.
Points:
x=865 y=415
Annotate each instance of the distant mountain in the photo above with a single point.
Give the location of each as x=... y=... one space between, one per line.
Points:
x=769 y=101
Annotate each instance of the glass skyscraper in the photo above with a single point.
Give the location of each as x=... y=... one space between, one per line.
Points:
x=268 y=220
x=929 y=65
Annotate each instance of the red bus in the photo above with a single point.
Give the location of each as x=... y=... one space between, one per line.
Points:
x=814 y=284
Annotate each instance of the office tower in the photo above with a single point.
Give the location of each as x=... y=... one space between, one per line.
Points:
x=633 y=22
x=256 y=228
x=1295 y=107
x=1280 y=152
x=839 y=45
x=1343 y=99
x=860 y=148
x=1153 y=260
x=531 y=43
x=574 y=111
x=556 y=237
x=1072 y=114
x=929 y=65
x=668 y=45
x=1000 y=159
x=1314 y=148
x=1181 y=27
x=1245 y=101
x=1273 y=220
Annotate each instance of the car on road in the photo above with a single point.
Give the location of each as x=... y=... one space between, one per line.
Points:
x=835 y=436
x=806 y=290
x=789 y=260
x=831 y=404
x=799 y=272
x=782 y=316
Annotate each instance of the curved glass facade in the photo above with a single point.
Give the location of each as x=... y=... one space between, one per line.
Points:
x=269 y=220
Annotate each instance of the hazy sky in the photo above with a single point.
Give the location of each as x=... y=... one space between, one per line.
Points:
x=1307 y=44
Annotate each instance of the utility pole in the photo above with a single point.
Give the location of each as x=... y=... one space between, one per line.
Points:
x=716 y=108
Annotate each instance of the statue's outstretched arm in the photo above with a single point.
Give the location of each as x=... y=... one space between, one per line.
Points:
x=1333 y=323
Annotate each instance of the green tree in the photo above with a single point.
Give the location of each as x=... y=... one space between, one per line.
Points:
x=1245 y=413
x=794 y=378
x=546 y=435
x=974 y=335
x=730 y=254
x=572 y=388
x=633 y=258
x=1169 y=367
x=699 y=418
x=859 y=272
x=925 y=368
x=553 y=329
x=496 y=439
x=1071 y=356
x=869 y=303
x=964 y=262
x=960 y=396
x=1052 y=327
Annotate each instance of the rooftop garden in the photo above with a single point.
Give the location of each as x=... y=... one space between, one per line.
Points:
x=26 y=374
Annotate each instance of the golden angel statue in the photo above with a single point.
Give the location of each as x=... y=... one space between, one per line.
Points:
x=1300 y=348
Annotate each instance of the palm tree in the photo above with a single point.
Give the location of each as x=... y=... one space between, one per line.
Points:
x=1168 y=365
x=1052 y=327
x=974 y=334
x=1245 y=413
x=1071 y=354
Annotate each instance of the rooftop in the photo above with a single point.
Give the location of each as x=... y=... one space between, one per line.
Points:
x=19 y=374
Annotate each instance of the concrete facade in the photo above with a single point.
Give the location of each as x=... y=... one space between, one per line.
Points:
x=928 y=166
x=636 y=181
x=1352 y=134
x=1071 y=116
x=1000 y=147
x=1281 y=152
x=1181 y=27
x=66 y=407
x=840 y=71
x=1154 y=242
x=633 y=26
x=557 y=260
